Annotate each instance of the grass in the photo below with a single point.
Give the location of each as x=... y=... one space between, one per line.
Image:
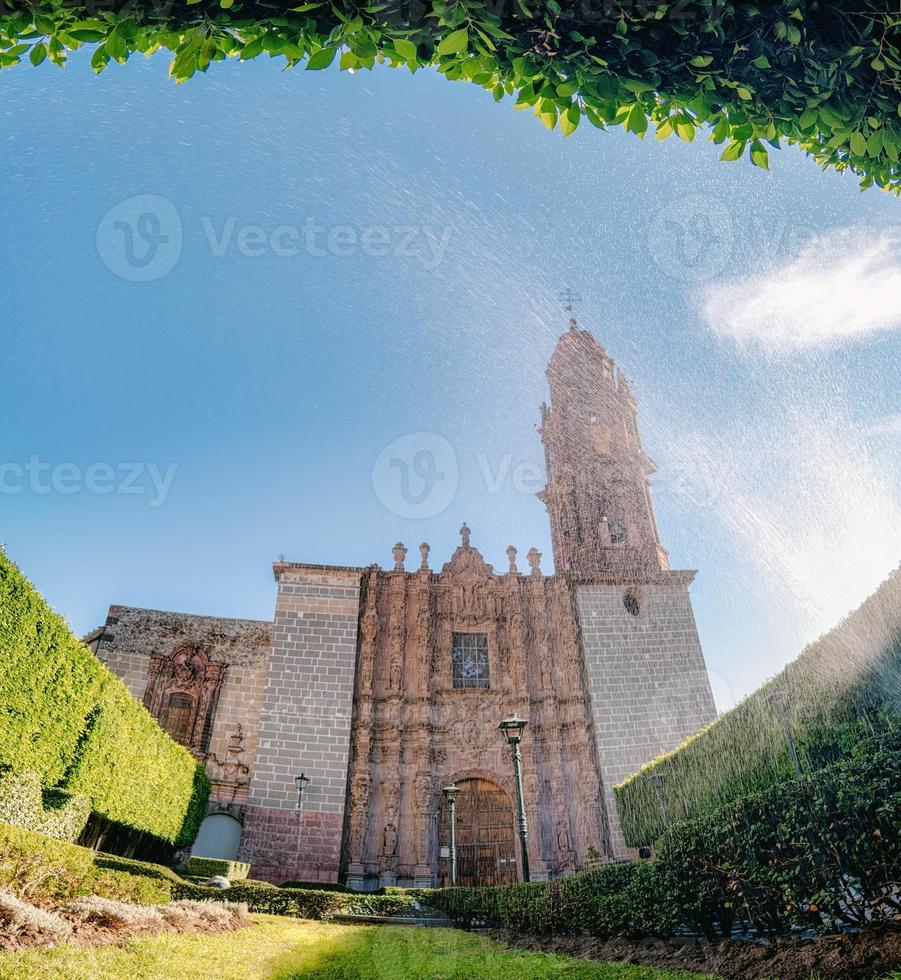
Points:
x=291 y=949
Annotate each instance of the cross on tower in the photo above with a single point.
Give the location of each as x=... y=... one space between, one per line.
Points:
x=568 y=297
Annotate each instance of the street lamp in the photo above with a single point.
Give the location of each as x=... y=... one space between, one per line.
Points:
x=512 y=728
x=777 y=698
x=301 y=782
x=450 y=794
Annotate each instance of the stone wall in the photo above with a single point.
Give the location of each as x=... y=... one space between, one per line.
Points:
x=133 y=640
x=304 y=727
x=646 y=676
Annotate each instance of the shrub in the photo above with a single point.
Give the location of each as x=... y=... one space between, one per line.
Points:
x=116 y=914
x=204 y=867
x=841 y=690
x=67 y=719
x=812 y=853
x=34 y=866
x=19 y=916
x=224 y=914
x=329 y=886
x=52 y=812
x=276 y=901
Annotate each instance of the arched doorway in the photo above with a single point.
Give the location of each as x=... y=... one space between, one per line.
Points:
x=486 y=849
x=219 y=837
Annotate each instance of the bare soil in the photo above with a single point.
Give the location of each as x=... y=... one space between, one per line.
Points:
x=868 y=956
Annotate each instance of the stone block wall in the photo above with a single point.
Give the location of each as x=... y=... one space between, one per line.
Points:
x=646 y=675
x=305 y=722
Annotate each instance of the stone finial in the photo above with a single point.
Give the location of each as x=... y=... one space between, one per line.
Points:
x=534 y=557
x=424 y=556
x=399 y=552
x=464 y=535
x=511 y=557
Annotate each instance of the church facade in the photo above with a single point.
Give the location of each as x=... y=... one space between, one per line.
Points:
x=383 y=685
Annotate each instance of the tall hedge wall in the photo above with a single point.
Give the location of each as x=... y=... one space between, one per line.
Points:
x=810 y=852
x=841 y=688
x=66 y=718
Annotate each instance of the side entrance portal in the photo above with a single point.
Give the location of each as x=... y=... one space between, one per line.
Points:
x=486 y=837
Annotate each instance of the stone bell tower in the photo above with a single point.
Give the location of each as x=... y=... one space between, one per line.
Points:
x=597 y=492
x=645 y=672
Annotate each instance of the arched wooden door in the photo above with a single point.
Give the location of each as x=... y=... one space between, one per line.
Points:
x=486 y=851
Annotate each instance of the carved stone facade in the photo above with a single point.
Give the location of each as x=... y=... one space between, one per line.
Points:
x=385 y=685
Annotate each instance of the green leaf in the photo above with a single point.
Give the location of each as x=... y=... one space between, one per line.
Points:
x=664 y=130
x=734 y=149
x=322 y=59
x=454 y=42
x=636 y=121
x=759 y=155
x=569 y=120
x=567 y=88
x=406 y=49
x=702 y=60
x=226 y=4
x=37 y=54
x=761 y=62
x=858 y=144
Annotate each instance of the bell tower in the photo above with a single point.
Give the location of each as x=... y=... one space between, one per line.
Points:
x=597 y=493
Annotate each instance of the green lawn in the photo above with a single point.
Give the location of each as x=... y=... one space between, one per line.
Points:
x=291 y=949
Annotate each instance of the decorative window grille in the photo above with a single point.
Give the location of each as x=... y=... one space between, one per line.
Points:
x=470 y=660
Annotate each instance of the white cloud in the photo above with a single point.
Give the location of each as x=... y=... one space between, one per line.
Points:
x=890 y=425
x=841 y=286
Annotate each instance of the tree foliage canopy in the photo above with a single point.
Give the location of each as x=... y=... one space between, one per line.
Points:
x=822 y=74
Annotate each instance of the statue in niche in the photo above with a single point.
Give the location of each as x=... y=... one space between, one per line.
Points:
x=232 y=770
x=395 y=671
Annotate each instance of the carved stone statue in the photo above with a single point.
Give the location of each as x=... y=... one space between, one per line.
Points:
x=511 y=557
x=399 y=553
x=424 y=556
x=464 y=535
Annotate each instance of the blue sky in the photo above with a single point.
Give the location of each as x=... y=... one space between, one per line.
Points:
x=351 y=260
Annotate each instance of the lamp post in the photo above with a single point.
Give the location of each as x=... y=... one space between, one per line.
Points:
x=450 y=794
x=512 y=728
x=301 y=782
x=777 y=698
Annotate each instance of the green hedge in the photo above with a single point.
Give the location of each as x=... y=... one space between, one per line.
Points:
x=47 y=870
x=66 y=718
x=57 y=814
x=808 y=853
x=822 y=75
x=842 y=689
x=203 y=867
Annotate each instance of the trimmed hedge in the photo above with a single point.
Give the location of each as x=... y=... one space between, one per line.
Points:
x=55 y=813
x=813 y=852
x=40 y=868
x=204 y=867
x=841 y=690
x=824 y=76
x=66 y=718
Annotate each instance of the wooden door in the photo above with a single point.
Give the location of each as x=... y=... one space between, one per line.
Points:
x=486 y=840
